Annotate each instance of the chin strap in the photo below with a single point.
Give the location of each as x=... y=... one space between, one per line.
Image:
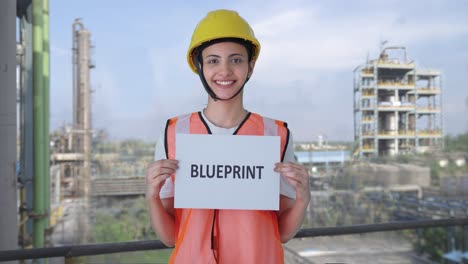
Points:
x=199 y=66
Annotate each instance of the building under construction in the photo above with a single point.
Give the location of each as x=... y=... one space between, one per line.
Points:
x=397 y=106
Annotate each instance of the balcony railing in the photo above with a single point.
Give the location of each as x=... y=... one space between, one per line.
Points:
x=98 y=249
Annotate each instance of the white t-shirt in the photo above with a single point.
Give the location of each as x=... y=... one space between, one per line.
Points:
x=167 y=190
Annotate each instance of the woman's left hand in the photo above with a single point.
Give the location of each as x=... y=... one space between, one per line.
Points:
x=298 y=177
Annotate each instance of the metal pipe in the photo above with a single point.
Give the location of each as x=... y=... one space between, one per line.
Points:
x=28 y=125
x=46 y=80
x=21 y=175
x=74 y=86
x=39 y=211
x=8 y=181
x=76 y=27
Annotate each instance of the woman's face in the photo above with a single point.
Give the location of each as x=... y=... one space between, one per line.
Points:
x=226 y=67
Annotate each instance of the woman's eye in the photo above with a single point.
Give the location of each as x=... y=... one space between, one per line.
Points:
x=212 y=61
x=237 y=60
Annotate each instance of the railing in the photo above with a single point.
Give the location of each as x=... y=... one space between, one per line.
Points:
x=396 y=83
x=98 y=249
x=410 y=133
x=433 y=90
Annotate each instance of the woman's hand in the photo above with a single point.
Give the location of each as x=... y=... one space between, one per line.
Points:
x=156 y=174
x=298 y=177
x=292 y=215
x=161 y=210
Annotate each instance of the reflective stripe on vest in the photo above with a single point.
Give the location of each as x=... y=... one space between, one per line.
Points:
x=226 y=236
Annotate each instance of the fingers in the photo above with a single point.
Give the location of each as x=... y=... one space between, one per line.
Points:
x=289 y=165
x=161 y=167
x=295 y=174
x=298 y=177
x=156 y=174
x=290 y=169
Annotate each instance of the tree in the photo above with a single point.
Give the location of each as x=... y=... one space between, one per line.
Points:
x=130 y=222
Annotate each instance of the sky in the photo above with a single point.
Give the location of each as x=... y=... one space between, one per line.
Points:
x=304 y=74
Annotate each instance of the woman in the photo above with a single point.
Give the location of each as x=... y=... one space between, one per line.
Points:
x=223 y=52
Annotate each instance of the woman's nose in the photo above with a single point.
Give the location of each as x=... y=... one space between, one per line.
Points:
x=225 y=68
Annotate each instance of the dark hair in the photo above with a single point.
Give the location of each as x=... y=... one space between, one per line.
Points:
x=247 y=44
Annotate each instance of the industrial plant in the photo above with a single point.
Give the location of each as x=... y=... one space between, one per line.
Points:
x=71 y=149
x=397 y=106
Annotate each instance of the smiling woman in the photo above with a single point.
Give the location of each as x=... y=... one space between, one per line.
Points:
x=226 y=69
x=223 y=52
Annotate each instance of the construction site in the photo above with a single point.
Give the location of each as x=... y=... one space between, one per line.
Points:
x=397 y=106
x=69 y=188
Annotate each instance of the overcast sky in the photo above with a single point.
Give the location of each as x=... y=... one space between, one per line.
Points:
x=304 y=74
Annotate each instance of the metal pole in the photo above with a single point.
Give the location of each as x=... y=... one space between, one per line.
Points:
x=39 y=143
x=8 y=203
x=28 y=125
x=26 y=128
x=46 y=79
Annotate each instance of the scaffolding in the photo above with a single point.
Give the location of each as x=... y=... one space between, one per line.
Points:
x=397 y=107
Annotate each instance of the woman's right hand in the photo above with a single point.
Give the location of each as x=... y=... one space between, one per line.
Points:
x=156 y=174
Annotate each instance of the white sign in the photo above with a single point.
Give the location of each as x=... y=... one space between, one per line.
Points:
x=227 y=172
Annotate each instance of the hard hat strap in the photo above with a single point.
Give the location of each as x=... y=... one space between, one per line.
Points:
x=199 y=66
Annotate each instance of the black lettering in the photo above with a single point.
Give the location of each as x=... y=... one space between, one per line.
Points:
x=208 y=172
x=227 y=170
x=219 y=170
x=194 y=171
x=201 y=171
x=223 y=171
x=250 y=172
x=236 y=172
x=259 y=171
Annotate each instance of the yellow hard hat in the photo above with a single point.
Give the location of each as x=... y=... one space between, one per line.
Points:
x=221 y=24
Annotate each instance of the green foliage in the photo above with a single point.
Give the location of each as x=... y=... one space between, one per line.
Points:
x=433 y=242
x=127 y=223
x=123 y=224
x=135 y=148
x=458 y=143
x=142 y=257
x=435 y=173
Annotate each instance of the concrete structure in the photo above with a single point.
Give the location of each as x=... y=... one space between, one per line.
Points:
x=397 y=106
x=8 y=203
x=387 y=175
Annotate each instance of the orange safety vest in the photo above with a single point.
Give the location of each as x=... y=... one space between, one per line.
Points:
x=226 y=236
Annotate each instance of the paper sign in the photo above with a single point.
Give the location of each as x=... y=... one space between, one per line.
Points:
x=227 y=172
